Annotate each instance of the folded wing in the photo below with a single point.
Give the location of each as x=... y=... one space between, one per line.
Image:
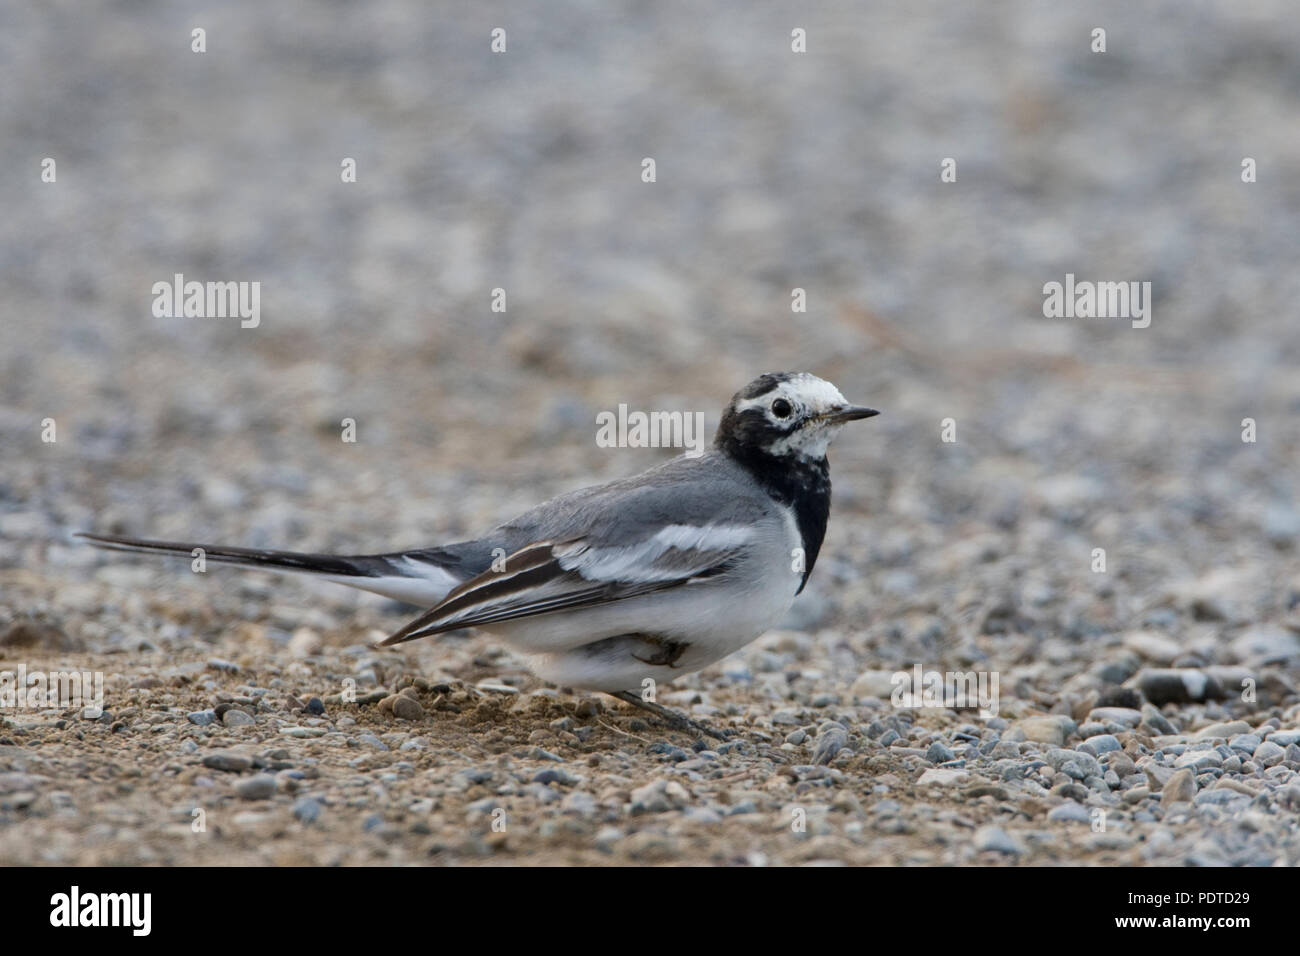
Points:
x=548 y=576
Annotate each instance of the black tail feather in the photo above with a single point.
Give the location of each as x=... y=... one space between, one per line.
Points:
x=333 y=564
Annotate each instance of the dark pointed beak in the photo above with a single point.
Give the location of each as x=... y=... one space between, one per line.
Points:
x=850 y=413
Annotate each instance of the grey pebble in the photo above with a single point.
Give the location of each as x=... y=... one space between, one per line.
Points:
x=225 y=760
x=307 y=809
x=996 y=839
x=258 y=787
x=1269 y=754
x=938 y=753
x=832 y=737
x=1070 y=813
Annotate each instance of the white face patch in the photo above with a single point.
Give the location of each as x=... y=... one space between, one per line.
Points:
x=809 y=396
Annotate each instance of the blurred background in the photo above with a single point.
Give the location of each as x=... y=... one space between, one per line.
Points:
x=775 y=170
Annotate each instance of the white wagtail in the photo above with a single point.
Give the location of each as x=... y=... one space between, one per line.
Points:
x=652 y=576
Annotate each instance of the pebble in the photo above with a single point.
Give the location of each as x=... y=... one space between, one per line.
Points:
x=307 y=809
x=941 y=777
x=1181 y=787
x=1223 y=731
x=237 y=718
x=659 y=796
x=996 y=839
x=1154 y=647
x=1050 y=729
x=1156 y=721
x=406 y=708
x=1069 y=813
x=832 y=737
x=1266 y=644
x=226 y=760
x=1100 y=744
x=1124 y=716
x=258 y=787
x=1246 y=743
x=1269 y=754
x=202 y=717
x=938 y=753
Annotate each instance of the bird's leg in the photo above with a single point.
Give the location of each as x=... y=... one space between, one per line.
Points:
x=671 y=717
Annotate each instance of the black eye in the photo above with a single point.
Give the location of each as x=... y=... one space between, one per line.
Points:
x=781 y=408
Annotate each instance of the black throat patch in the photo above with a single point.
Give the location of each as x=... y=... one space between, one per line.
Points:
x=803 y=485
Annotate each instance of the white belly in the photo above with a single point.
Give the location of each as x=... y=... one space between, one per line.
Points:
x=713 y=618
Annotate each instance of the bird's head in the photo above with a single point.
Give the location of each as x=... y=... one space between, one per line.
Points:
x=787 y=415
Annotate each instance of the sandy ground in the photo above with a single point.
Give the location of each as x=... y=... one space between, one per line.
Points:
x=522 y=171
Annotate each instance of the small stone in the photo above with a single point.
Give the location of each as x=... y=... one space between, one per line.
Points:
x=1101 y=744
x=202 y=717
x=996 y=839
x=658 y=796
x=228 y=761
x=1152 y=646
x=878 y=684
x=406 y=708
x=1223 y=731
x=307 y=810
x=555 y=775
x=237 y=718
x=1266 y=644
x=1124 y=716
x=1121 y=763
x=1246 y=743
x=1049 y=729
x=1180 y=788
x=258 y=787
x=832 y=737
x=938 y=753
x=942 y=777
x=1069 y=813
x=1269 y=754
x=1157 y=721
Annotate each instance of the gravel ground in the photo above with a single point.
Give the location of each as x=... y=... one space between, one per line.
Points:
x=1147 y=713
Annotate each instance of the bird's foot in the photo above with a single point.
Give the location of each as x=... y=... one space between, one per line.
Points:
x=671 y=717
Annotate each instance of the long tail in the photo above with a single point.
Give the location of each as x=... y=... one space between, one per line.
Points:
x=416 y=577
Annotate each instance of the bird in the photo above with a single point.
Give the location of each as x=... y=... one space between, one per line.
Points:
x=622 y=586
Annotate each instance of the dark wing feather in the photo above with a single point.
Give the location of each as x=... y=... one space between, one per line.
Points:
x=549 y=576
